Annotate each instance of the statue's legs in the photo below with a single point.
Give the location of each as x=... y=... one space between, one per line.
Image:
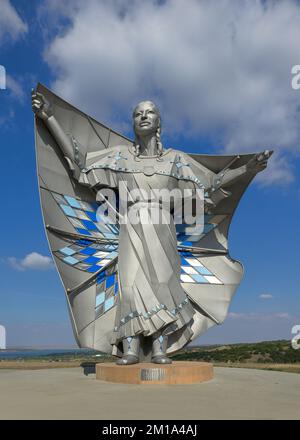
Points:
x=159 y=348
x=151 y=295
x=131 y=347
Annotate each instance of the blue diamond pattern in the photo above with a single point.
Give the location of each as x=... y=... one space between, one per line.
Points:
x=194 y=271
x=89 y=225
x=68 y=210
x=93 y=269
x=81 y=254
x=107 y=290
x=210 y=223
x=76 y=210
x=88 y=251
x=92 y=260
x=100 y=299
x=73 y=202
x=110 y=281
x=83 y=231
x=92 y=215
x=70 y=260
x=108 y=304
x=67 y=251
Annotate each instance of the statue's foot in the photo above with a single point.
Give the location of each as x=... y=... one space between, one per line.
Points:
x=128 y=360
x=161 y=360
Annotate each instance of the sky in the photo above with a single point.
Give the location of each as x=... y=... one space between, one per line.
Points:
x=221 y=74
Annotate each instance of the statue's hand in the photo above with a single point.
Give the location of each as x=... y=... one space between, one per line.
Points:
x=40 y=106
x=259 y=162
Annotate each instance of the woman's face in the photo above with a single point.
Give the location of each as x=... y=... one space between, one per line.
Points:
x=145 y=119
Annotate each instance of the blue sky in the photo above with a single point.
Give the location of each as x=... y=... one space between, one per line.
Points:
x=105 y=73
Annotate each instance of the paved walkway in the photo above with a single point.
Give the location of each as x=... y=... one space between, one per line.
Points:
x=68 y=394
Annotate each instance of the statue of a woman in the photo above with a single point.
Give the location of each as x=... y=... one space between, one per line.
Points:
x=158 y=308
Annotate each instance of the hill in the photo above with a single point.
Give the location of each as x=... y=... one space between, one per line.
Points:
x=260 y=352
x=271 y=355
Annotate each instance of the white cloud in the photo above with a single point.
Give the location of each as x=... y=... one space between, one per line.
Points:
x=266 y=296
x=283 y=315
x=15 y=88
x=34 y=260
x=219 y=69
x=14 y=92
x=279 y=170
x=11 y=24
x=259 y=316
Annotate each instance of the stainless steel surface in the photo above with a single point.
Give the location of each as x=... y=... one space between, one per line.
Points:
x=135 y=279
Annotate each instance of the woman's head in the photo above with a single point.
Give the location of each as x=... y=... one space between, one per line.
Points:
x=147 y=122
x=146 y=118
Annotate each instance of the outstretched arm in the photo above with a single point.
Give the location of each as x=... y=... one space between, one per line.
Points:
x=217 y=190
x=228 y=176
x=42 y=109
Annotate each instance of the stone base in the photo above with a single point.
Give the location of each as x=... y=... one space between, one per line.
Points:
x=149 y=373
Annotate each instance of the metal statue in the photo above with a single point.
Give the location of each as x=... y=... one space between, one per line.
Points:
x=142 y=289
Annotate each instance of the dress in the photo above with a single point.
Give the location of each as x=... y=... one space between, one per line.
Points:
x=151 y=296
x=127 y=280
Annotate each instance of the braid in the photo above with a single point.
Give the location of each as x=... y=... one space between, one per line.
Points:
x=158 y=142
x=136 y=150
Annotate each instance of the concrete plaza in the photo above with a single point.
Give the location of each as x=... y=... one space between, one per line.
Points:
x=68 y=394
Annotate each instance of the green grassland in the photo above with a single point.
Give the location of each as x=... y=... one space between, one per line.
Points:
x=267 y=355
x=280 y=352
x=270 y=355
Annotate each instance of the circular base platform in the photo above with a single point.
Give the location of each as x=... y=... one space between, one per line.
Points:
x=149 y=373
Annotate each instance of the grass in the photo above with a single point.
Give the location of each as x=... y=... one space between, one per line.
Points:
x=287 y=368
x=267 y=355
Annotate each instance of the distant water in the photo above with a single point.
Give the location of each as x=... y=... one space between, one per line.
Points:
x=22 y=354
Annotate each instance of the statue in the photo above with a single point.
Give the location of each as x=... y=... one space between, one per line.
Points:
x=138 y=290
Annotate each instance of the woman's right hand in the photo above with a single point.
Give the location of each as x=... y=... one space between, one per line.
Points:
x=40 y=106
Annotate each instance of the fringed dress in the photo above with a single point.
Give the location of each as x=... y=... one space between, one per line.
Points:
x=151 y=297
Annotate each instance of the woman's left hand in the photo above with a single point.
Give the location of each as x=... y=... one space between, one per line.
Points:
x=259 y=162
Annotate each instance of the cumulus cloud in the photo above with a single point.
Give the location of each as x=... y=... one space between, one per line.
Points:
x=218 y=70
x=14 y=93
x=266 y=296
x=15 y=88
x=279 y=171
x=34 y=261
x=11 y=24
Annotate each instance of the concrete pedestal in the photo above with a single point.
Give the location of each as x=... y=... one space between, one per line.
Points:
x=149 y=373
